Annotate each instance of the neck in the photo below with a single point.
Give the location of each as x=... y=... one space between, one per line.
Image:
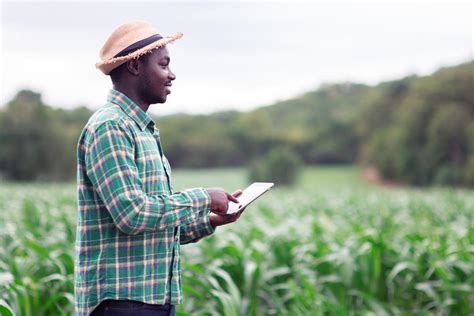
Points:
x=133 y=95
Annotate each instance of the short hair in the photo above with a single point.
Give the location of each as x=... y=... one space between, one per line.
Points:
x=117 y=73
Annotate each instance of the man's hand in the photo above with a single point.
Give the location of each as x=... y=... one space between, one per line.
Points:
x=220 y=200
x=224 y=219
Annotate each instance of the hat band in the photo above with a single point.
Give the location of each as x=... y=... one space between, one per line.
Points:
x=137 y=45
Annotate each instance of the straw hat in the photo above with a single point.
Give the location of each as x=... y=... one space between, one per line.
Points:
x=131 y=40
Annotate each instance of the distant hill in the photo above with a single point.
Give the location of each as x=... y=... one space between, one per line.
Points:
x=417 y=130
x=317 y=124
x=384 y=126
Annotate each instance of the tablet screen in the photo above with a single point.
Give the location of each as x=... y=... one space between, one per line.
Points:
x=249 y=195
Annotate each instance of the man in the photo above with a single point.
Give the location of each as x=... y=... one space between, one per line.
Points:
x=130 y=222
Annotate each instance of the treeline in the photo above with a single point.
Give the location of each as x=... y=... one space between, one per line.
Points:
x=417 y=130
x=38 y=142
x=421 y=130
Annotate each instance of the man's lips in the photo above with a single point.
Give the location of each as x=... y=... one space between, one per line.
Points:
x=168 y=87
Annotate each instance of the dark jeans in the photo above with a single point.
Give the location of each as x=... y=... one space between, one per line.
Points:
x=132 y=308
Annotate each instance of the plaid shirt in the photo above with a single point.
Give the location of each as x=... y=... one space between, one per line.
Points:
x=130 y=223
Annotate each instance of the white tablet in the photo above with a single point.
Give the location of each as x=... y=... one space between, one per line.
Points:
x=249 y=195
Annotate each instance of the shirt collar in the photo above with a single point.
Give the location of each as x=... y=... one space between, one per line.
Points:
x=142 y=118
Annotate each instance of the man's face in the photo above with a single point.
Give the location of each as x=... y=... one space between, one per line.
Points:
x=156 y=77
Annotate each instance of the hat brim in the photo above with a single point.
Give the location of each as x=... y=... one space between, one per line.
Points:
x=106 y=66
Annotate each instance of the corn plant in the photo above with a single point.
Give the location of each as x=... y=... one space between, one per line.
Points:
x=331 y=245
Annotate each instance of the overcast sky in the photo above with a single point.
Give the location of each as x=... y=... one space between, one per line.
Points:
x=234 y=55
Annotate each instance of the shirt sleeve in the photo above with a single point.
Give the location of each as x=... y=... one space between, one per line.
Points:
x=196 y=230
x=111 y=168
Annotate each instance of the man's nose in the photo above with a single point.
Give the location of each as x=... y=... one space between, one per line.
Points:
x=171 y=75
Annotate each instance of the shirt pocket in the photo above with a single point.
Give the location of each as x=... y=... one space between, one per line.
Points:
x=167 y=167
x=151 y=166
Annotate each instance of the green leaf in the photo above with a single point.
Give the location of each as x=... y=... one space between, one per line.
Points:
x=5 y=309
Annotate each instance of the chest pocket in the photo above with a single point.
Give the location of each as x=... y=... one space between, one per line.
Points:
x=151 y=166
x=167 y=166
x=164 y=160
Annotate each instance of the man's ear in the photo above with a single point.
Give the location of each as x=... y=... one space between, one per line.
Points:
x=132 y=66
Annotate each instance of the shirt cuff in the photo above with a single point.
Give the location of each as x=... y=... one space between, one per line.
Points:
x=200 y=201
x=207 y=226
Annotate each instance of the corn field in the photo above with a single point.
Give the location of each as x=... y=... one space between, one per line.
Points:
x=332 y=245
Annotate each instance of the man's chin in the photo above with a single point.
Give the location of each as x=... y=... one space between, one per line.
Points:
x=159 y=100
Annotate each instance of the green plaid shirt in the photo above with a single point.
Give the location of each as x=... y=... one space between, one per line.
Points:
x=130 y=223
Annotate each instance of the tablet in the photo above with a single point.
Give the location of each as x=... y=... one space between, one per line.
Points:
x=249 y=195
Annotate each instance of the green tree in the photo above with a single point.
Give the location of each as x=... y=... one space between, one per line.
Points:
x=281 y=165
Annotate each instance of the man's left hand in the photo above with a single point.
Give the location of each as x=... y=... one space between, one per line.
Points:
x=224 y=219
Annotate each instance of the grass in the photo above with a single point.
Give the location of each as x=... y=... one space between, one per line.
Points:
x=332 y=245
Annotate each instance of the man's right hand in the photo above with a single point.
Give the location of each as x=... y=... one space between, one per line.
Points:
x=220 y=200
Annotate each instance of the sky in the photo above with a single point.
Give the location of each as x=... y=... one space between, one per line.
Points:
x=234 y=54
